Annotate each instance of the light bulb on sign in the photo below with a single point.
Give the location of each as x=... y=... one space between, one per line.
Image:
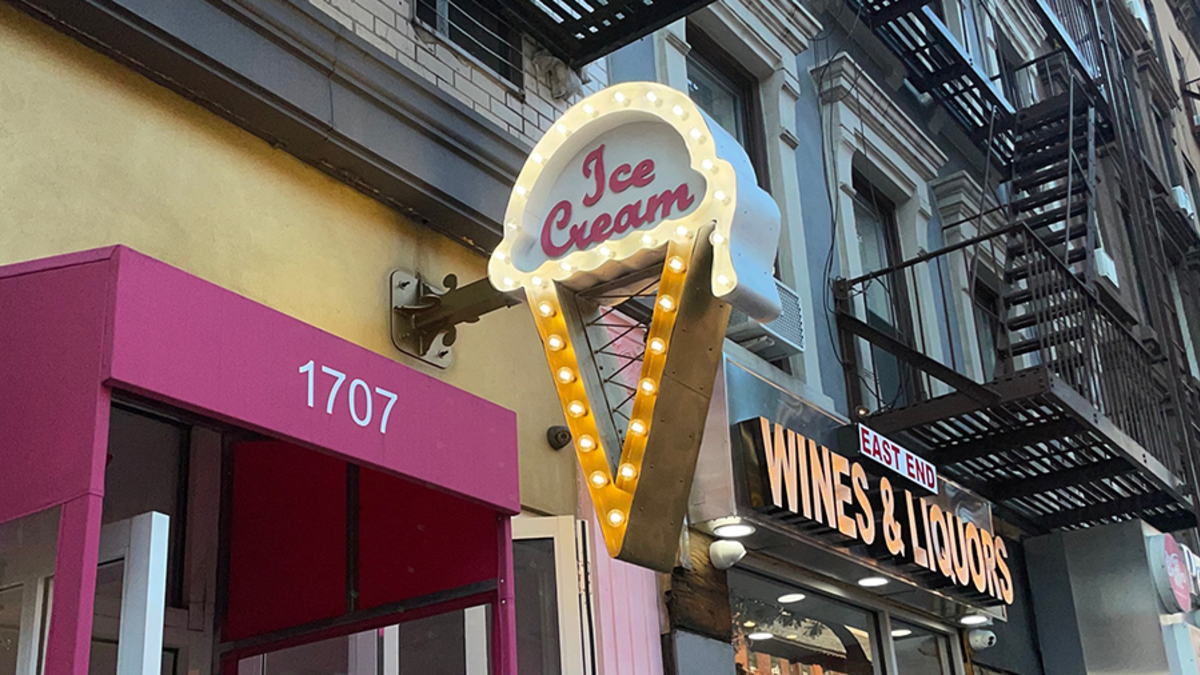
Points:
x=676 y=264
x=619 y=97
x=722 y=279
x=546 y=309
x=501 y=256
x=719 y=195
x=679 y=112
x=615 y=518
x=588 y=109
x=683 y=231
x=566 y=375
x=555 y=343
x=576 y=409
x=637 y=427
x=627 y=471
x=561 y=128
x=667 y=303
x=536 y=158
x=606 y=251
x=651 y=97
x=647 y=239
x=717 y=238
x=599 y=479
x=537 y=281
x=522 y=190
x=708 y=165
x=658 y=345
x=566 y=266
x=509 y=283
x=647 y=386
x=696 y=134
x=586 y=443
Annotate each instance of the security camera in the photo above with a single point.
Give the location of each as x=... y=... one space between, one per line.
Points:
x=725 y=553
x=981 y=639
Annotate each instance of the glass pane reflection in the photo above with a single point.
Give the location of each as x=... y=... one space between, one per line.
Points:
x=778 y=633
x=920 y=651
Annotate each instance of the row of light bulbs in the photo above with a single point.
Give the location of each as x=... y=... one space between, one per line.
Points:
x=613 y=494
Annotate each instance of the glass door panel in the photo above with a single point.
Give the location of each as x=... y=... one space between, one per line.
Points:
x=920 y=651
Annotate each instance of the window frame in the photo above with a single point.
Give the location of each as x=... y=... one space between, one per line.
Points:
x=439 y=27
x=710 y=55
x=576 y=637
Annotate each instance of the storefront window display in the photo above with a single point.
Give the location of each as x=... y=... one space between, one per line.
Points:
x=780 y=629
x=783 y=628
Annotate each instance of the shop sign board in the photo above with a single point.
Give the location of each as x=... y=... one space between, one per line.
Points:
x=1174 y=572
x=887 y=453
x=635 y=188
x=945 y=537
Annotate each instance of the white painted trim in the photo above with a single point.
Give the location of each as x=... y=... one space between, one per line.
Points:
x=909 y=152
x=575 y=650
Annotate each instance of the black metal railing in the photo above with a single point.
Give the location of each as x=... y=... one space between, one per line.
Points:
x=994 y=307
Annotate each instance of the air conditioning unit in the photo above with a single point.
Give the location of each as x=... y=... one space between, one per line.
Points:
x=1184 y=200
x=774 y=340
x=1106 y=266
x=1138 y=10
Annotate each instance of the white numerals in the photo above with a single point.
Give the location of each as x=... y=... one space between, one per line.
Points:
x=361 y=402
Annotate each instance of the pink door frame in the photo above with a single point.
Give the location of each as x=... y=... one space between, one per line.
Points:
x=74 y=328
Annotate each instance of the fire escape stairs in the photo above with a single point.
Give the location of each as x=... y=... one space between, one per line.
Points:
x=1047 y=439
x=938 y=64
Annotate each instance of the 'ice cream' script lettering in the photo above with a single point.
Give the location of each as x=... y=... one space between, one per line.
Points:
x=612 y=222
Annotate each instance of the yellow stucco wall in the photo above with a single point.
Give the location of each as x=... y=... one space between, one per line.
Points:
x=94 y=154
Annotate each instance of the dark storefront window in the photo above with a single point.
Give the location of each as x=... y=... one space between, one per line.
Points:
x=780 y=629
x=920 y=651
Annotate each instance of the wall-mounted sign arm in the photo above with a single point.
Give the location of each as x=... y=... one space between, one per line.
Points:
x=424 y=315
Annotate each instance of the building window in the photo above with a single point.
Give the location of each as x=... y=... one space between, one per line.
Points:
x=1163 y=129
x=728 y=94
x=886 y=298
x=1193 y=185
x=478 y=28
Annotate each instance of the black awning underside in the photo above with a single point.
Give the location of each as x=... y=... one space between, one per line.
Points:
x=581 y=31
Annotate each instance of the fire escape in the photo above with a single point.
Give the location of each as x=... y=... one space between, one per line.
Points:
x=997 y=354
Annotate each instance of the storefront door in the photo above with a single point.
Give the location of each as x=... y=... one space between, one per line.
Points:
x=130 y=595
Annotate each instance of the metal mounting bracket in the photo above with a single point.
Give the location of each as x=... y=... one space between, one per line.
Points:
x=424 y=315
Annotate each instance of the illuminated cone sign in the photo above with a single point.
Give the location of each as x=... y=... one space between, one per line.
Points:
x=634 y=226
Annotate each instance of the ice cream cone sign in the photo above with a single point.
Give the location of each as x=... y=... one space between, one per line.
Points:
x=634 y=226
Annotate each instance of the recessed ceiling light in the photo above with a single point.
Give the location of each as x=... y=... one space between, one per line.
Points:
x=873 y=582
x=734 y=530
x=760 y=636
x=790 y=597
x=901 y=632
x=973 y=620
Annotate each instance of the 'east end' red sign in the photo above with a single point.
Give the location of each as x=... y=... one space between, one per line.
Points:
x=896 y=458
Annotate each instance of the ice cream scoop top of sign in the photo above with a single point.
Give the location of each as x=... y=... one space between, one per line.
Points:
x=623 y=173
x=629 y=178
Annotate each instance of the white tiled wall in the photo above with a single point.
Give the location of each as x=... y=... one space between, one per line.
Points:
x=525 y=113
